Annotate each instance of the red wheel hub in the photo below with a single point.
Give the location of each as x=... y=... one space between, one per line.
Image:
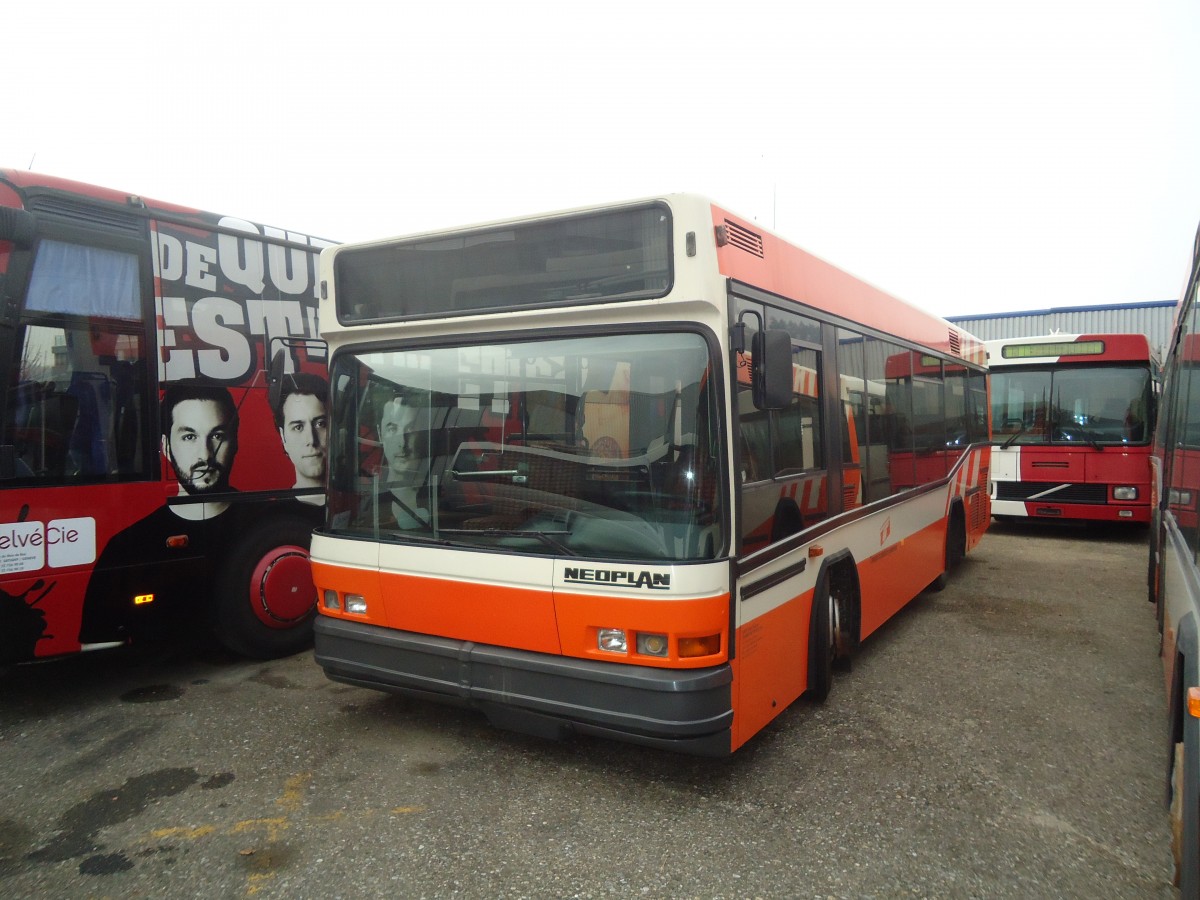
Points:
x=281 y=590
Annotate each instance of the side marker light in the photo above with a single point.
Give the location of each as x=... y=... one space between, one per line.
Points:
x=1193 y=701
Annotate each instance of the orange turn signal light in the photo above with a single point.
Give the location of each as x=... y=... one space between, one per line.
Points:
x=708 y=645
x=1193 y=701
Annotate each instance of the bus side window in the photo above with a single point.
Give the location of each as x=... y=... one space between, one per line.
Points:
x=79 y=403
x=79 y=407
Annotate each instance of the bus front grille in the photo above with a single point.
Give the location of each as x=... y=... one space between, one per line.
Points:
x=1051 y=492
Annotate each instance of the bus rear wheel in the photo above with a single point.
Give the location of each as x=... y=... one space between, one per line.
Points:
x=956 y=547
x=265 y=600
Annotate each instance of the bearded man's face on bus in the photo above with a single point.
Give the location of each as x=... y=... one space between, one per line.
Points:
x=201 y=445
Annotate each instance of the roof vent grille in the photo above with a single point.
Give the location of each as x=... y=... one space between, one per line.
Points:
x=744 y=238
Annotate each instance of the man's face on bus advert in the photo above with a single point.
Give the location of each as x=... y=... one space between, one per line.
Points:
x=305 y=435
x=201 y=446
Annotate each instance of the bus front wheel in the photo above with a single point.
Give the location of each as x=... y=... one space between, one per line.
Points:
x=265 y=600
x=832 y=633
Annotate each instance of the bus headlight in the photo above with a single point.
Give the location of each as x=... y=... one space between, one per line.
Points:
x=331 y=600
x=1124 y=493
x=356 y=604
x=613 y=640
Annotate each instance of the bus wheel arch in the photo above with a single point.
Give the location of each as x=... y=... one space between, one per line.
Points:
x=265 y=602
x=956 y=545
x=835 y=625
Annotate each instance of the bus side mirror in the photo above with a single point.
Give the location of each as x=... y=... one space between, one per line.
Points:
x=771 y=375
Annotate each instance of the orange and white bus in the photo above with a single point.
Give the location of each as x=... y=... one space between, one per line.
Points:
x=626 y=471
x=1073 y=417
x=147 y=482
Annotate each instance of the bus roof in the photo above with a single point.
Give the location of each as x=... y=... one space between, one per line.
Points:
x=755 y=256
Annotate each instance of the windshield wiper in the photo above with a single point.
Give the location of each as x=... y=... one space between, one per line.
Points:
x=548 y=538
x=1087 y=435
x=1020 y=431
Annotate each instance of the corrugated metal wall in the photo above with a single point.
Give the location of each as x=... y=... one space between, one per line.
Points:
x=1155 y=320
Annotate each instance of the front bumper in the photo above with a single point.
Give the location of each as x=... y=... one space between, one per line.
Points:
x=686 y=710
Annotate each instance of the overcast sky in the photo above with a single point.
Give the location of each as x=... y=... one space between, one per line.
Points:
x=969 y=156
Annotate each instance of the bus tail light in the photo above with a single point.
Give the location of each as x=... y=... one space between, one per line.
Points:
x=1125 y=492
x=708 y=645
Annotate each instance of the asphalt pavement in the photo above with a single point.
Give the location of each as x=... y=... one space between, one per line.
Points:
x=1002 y=739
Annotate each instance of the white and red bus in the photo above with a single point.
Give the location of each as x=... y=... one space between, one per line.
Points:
x=627 y=471
x=1073 y=418
x=147 y=483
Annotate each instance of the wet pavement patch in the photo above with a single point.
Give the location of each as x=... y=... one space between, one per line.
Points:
x=79 y=825
x=220 y=780
x=106 y=864
x=153 y=693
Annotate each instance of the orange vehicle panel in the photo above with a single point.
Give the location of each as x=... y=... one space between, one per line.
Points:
x=521 y=618
x=771 y=668
x=580 y=615
x=891 y=578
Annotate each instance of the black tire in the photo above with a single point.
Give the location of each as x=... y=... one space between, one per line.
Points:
x=822 y=645
x=956 y=549
x=265 y=602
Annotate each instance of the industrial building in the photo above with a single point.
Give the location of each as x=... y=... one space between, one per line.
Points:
x=1154 y=319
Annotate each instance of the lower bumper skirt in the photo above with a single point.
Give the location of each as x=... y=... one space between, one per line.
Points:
x=685 y=710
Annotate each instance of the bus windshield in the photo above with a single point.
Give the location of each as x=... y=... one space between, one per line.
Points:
x=1090 y=405
x=595 y=446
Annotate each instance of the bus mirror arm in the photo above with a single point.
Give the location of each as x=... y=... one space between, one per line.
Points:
x=275 y=377
x=737 y=337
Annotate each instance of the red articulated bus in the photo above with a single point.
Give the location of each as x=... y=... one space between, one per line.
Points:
x=149 y=480
x=629 y=471
x=1073 y=418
